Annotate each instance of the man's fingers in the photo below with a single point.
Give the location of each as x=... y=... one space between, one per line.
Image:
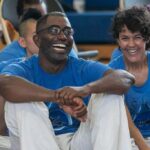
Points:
x=83 y=118
x=80 y=110
x=75 y=107
x=81 y=113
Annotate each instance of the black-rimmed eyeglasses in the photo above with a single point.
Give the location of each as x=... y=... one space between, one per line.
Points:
x=56 y=30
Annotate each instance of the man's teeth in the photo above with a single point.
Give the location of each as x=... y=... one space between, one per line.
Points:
x=59 y=45
x=59 y=49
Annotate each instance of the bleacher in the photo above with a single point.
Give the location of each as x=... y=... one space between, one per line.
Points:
x=92 y=27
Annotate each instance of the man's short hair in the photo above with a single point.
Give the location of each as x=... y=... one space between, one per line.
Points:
x=43 y=19
x=22 y=3
x=31 y=15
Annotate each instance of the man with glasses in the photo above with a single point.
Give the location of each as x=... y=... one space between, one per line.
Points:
x=65 y=84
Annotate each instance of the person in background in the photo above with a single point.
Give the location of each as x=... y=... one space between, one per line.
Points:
x=15 y=50
x=131 y=29
x=117 y=51
x=42 y=6
x=23 y=5
x=27 y=48
x=24 y=46
x=45 y=77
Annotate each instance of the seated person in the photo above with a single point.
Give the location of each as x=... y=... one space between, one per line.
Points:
x=25 y=46
x=40 y=78
x=131 y=28
x=117 y=51
x=22 y=47
x=21 y=6
x=41 y=5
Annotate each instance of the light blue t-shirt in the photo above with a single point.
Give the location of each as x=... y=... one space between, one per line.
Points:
x=137 y=98
x=14 y=50
x=77 y=72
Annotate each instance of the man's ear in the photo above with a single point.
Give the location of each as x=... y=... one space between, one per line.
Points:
x=22 y=42
x=36 y=40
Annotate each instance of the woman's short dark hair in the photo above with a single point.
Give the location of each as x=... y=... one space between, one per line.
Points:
x=136 y=19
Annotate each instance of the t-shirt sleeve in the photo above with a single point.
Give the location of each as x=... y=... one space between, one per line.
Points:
x=93 y=70
x=3 y=64
x=73 y=53
x=112 y=64
x=116 y=53
x=20 y=69
x=117 y=63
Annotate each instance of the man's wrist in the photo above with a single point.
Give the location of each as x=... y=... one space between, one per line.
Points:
x=52 y=96
x=88 y=89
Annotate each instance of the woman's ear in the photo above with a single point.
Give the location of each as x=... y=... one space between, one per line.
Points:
x=36 y=40
x=22 y=42
x=148 y=41
x=117 y=40
x=148 y=44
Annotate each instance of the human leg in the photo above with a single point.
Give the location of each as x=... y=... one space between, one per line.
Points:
x=134 y=146
x=4 y=143
x=2 y=121
x=4 y=140
x=106 y=127
x=148 y=141
x=29 y=126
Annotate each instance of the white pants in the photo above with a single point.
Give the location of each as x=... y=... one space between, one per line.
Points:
x=4 y=143
x=105 y=129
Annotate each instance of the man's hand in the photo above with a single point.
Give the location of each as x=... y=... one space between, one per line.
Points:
x=77 y=109
x=66 y=94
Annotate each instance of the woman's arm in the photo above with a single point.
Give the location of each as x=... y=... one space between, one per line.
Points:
x=135 y=133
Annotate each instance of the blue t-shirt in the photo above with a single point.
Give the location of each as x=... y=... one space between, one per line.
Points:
x=3 y=64
x=77 y=72
x=137 y=98
x=116 y=52
x=14 y=50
